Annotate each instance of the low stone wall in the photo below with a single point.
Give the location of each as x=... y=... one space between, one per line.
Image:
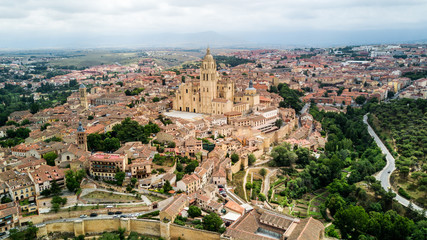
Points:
x=142 y=226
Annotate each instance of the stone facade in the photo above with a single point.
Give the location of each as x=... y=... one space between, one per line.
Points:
x=213 y=95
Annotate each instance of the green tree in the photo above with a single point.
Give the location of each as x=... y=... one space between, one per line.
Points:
x=194 y=211
x=119 y=176
x=73 y=179
x=50 y=158
x=34 y=108
x=234 y=157
x=191 y=166
x=360 y=100
x=278 y=123
x=352 y=221
x=167 y=186
x=251 y=159
x=263 y=172
x=212 y=222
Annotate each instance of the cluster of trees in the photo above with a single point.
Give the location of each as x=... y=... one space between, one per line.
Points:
x=29 y=233
x=128 y=131
x=291 y=98
x=73 y=179
x=15 y=137
x=360 y=216
x=231 y=61
x=190 y=166
x=349 y=145
x=15 y=98
x=402 y=126
x=134 y=92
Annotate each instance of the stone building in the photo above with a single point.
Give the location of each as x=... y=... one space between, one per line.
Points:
x=213 y=95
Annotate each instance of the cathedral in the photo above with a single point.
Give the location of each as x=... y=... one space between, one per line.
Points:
x=213 y=95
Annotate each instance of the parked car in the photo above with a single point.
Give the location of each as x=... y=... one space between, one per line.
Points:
x=93 y=214
x=83 y=216
x=118 y=213
x=2 y=233
x=221 y=186
x=221 y=189
x=123 y=216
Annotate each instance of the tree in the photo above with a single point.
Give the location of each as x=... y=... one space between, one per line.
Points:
x=111 y=144
x=30 y=233
x=360 y=100
x=156 y=99
x=282 y=156
x=251 y=159
x=54 y=188
x=351 y=221
x=119 y=176
x=278 y=123
x=73 y=179
x=212 y=222
x=167 y=186
x=194 y=211
x=50 y=158
x=191 y=166
x=234 y=158
x=263 y=172
x=133 y=181
x=303 y=156
x=404 y=171
x=34 y=108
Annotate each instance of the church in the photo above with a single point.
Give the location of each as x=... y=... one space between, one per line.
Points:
x=212 y=94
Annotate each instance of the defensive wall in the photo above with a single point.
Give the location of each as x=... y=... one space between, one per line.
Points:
x=146 y=227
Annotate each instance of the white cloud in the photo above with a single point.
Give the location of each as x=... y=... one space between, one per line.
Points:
x=82 y=17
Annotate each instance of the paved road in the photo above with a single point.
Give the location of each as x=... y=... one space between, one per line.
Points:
x=266 y=185
x=384 y=175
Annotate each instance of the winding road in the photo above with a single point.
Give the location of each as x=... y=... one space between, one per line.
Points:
x=384 y=175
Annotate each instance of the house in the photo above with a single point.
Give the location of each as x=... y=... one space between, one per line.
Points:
x=189 y=184
x=45 y=175
x=105 y=165
x=170 y=212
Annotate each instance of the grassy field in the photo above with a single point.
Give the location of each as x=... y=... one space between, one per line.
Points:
x=93 y=58
x=154 y=198
x=106 y=196
x=237 y=183
x=411 y=187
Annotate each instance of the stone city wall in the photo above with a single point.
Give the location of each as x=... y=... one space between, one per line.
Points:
x=142 y=226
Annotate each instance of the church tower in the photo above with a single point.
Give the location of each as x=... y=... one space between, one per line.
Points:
x=83 y=96
x=81 y=137
x=208 y=83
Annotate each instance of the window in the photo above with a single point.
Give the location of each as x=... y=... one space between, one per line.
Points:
x=186 y=90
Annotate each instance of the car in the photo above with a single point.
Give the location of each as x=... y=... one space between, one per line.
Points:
x=221 y=189
x=116 y=216
x=123 y=216
x=389 y=172
x=110 y=213
x=83 y=216
x=118 y=213
x=221 y=186
x=224 y=195
x=93 y=214
x=2 y=233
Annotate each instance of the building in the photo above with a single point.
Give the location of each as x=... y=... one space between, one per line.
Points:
x=174 y=208
x=45 y=175
x=262 y=224
x=105 y=165
x=213 y=95
x=19 y=185
x=83 y=96
x=9 y=216
x=81 y=137
x=189 y=184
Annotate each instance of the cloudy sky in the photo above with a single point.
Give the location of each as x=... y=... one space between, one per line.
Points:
x=79 y=23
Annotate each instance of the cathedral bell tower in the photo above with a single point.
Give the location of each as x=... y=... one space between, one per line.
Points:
x=208 y=82
x=81 y=137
